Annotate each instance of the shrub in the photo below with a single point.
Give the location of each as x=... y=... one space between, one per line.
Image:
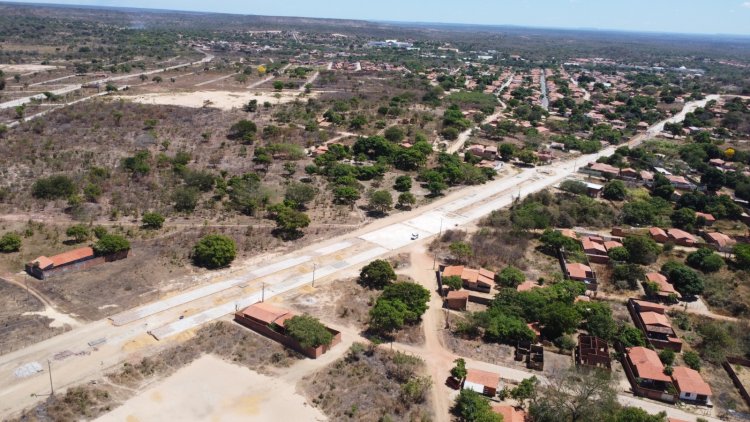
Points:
x=10 y=242
x=692 y=360
x=641 y=249
x=214 y=251
x=53 y=187
x=110 y=244
x=666 y=357
x=614 y=191
x=402 y=184
x=79 y=233
x=706 y=260
x=153 y=220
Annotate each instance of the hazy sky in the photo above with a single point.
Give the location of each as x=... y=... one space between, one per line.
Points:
x=687 y=16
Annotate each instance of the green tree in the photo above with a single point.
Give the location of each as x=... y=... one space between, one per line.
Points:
x=308 y=331
x=619 y=253
x=461 y=251
x=214 y=251
x=10 y=242
x=153 y=220
x=525 y=390
x=641 y=249
x=510 y=276
x=290 y=222
x=185 y=199
x=614 y=190
x=394 y=134
x=742 y=256
x=243 y=130
x=377 y=274
x=685 y=280
x=628 y=274
x=713 y=178
x=706 y=260
x=278 y=85
x=300 y=194
x=381 y=201
x=459 y=371
x=435 y=182
x=110 y=244
x=402 y=184
x=345 y=195
x=79 y=233
x=559 y=318
x=454 y=282
x=387 y=315
x=414 y=296
x=470 y=406
x=630 y=336
x=53 y=187
x=684 y=218
x=406 y=200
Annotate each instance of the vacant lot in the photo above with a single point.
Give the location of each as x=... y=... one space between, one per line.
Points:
x=249 y=395
x=18 y=325
x=371 y=384
x=226 y=340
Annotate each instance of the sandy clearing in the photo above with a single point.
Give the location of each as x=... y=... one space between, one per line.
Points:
x=215 y=390
x=59 y=319
x=225 y=100
x=18 y=68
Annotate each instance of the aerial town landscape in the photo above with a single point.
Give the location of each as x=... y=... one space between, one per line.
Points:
x=209 y=216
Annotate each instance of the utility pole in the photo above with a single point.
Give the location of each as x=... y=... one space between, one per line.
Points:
x=263 y=293
x=26 y=282
x=314 y=267
x=51 y=388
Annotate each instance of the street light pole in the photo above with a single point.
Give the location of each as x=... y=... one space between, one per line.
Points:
x=51 y=388
x=263 y=293
x=314 y=267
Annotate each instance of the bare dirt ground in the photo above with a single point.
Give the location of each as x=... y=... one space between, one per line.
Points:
x=21 y=318
x=226 y=340
x=154 y=269
x=225 y=100
x=249 y=395
x=501 y=354
x=23 y=68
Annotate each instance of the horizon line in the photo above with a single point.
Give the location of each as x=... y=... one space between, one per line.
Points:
x=381 y=21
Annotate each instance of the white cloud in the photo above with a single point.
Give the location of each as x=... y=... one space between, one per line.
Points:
x=746 y=4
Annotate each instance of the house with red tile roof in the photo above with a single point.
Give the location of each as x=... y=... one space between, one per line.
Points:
x=509 y=413
x=658 y=234
x=528 y=285
x=653 y=321
x=579 y=272
x=482 y=382
x=708 y=218
x=646 y=374
x=720 y=241
x=666 y=290
x=480 y=280
x=457 y=300
x=691 y=386
x=77 y=259
x=269 y=320
x=681 y=237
